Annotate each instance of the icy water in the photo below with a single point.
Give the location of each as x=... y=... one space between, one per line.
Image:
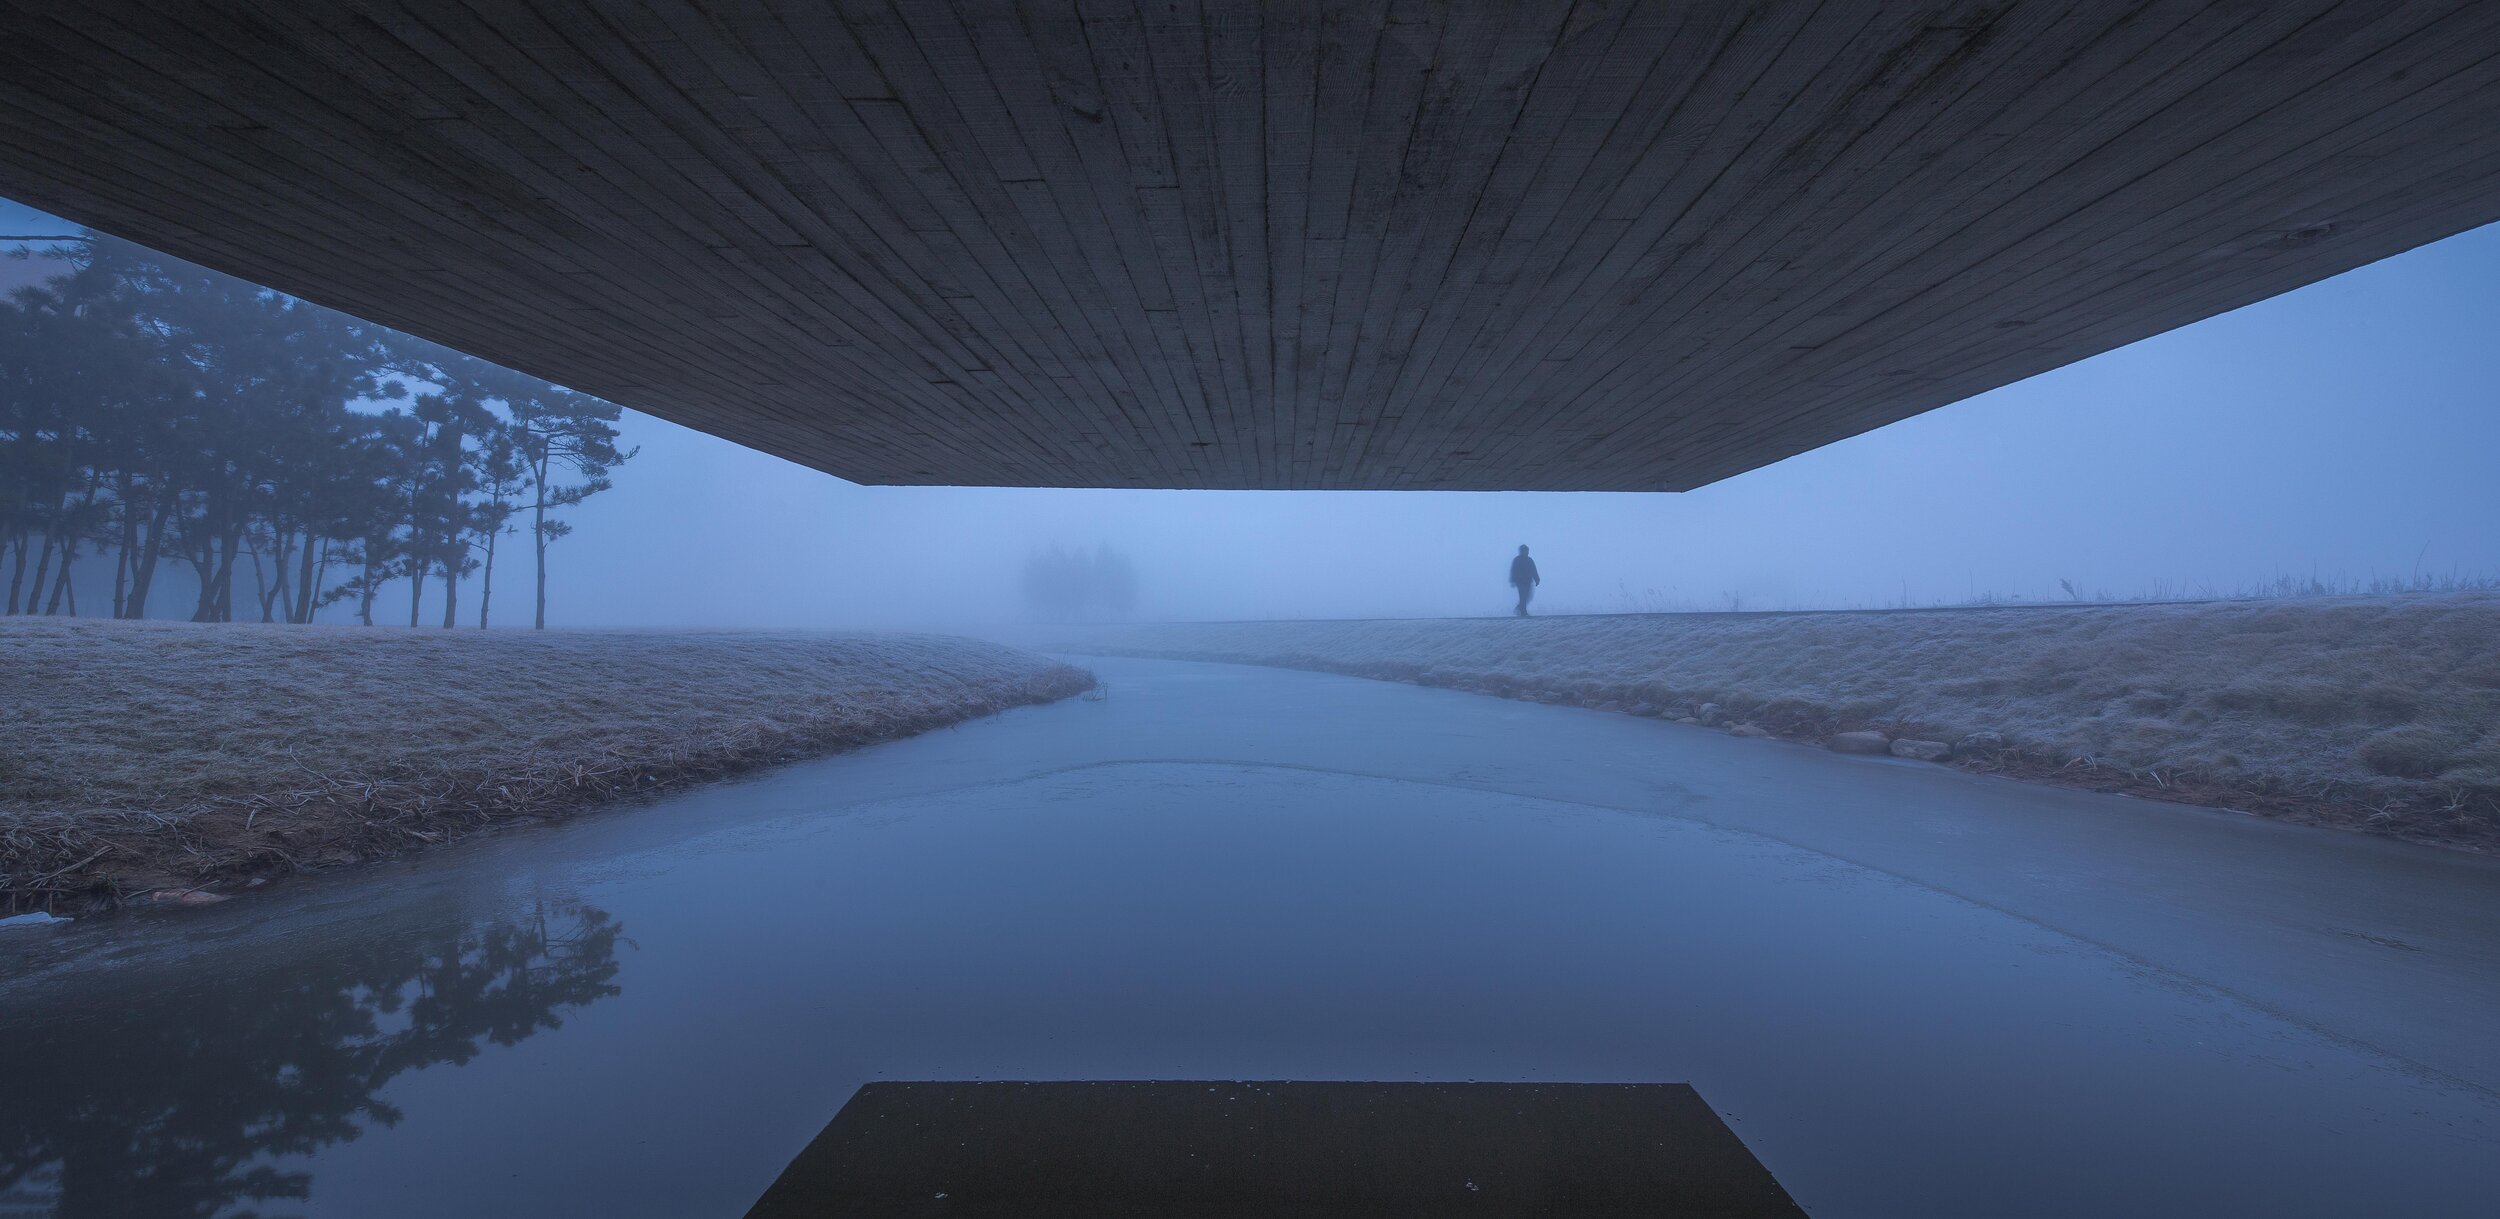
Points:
x=650 y=1011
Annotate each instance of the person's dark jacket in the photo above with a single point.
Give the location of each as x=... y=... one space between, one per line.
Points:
x=1522 y=571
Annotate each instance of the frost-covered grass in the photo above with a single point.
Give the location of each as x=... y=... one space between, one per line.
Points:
x=2064 y=594
x=143 y=754
x=2373 y=711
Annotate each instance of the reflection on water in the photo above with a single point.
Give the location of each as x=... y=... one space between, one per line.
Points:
x=174 y=1100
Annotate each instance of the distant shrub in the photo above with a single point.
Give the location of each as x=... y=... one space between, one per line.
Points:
x=1064 y=585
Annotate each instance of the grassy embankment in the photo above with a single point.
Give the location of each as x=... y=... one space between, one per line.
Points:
x=2375 y=713
x=139 y=757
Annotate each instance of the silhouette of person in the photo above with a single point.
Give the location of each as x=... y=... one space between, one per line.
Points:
x=1524 y=578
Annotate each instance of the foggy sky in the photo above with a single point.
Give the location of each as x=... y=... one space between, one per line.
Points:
x=2346 y=429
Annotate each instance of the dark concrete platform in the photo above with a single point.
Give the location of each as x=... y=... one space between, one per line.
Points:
x=1160 y=1149
x=1488 y=244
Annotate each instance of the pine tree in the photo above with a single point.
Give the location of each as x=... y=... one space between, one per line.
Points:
x=150 y=409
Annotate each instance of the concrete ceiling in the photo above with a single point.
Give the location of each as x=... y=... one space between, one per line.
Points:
x=1522 y=244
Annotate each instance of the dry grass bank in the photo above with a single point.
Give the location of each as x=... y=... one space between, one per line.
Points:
x=2378 y=713
x=142 y=756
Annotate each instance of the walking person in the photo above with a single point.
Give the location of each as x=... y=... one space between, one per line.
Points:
x=1524 y=578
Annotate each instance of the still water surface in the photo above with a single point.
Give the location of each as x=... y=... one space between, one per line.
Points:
x=649 y=1012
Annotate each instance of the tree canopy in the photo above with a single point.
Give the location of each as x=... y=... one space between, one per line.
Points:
x=1063 y=585
x=290 y=456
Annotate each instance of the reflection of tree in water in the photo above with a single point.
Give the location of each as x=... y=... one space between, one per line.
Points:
x=170 y=1101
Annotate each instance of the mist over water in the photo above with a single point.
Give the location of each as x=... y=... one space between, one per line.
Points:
x=2345 y=431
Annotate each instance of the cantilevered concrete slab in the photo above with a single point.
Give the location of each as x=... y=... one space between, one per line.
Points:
x=1219 y=243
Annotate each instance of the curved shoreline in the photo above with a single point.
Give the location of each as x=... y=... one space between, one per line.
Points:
x=178 y=764
x=2377 y=714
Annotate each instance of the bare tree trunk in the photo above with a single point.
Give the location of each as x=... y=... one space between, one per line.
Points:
x=372 y=586
x=125 y=543
x=278 y=605
x=143 y=569
x=60 y=583
x=61 y=588
x=202 y=556
x=416 y=587
x=308 y=586
x=538 y=534
x=228 y=567
x=486 y=581
x=17 y=575
x=122 y=555
x=34 y=591
x=451 y=589
x=260 y=578
x=204 y=566
x=221 y=601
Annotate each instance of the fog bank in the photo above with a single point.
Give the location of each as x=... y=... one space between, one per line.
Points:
x=2345 y=430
